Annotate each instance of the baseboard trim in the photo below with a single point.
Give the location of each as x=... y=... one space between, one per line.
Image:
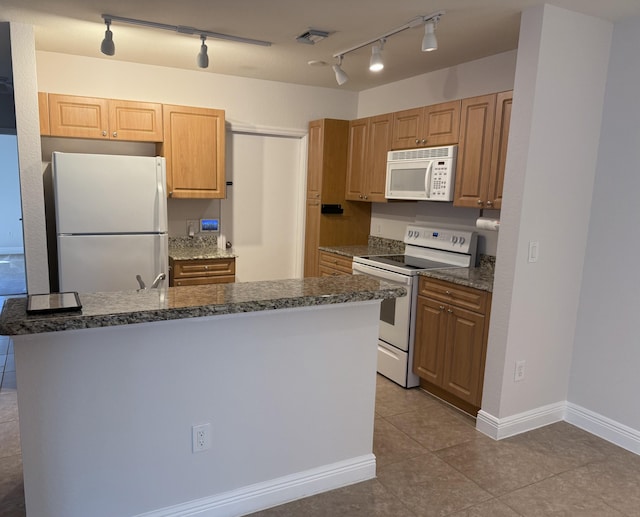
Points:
x=277 y=491
x=607 y=429
x=499 y=428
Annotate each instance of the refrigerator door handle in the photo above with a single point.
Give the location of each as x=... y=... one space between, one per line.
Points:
x=161 y=192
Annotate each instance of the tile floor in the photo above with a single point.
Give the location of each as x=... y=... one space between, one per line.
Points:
x=432 y=462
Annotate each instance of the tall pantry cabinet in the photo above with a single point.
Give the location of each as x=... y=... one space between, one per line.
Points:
x=330 y=219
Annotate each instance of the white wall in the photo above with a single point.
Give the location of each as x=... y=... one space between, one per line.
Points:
x=10 y=209
x=488 y=75
x=29 y=157
x=555 y=128
x=604 y=374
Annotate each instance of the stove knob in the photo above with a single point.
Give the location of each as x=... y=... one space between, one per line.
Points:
x=454 y=239
x=461 y=241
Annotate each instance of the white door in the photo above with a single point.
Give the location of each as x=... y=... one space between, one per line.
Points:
x=262 y=214
x=93 y=263
x=97 y=193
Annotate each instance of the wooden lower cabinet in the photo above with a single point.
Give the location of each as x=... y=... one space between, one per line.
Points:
x=451 y=341
x=332 y=264
x=201 y=271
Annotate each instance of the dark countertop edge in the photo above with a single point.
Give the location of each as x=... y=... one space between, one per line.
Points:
x=78 y=322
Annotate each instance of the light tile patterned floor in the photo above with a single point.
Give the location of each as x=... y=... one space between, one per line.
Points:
x=432 y=462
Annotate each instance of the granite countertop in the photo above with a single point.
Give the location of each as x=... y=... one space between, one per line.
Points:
x=129 y=307
x=375 y=246
x=199 y=247
x=477 y=277
x=199 y=253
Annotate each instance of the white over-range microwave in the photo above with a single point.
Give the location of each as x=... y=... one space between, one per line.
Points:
x=426 y=174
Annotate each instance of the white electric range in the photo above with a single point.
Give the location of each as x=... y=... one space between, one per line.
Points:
x=425 y=248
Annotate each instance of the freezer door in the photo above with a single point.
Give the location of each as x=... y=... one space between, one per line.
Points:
x=96 y=193
x=92 y=263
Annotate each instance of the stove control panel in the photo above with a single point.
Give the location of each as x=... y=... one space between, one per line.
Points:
x=443 y=239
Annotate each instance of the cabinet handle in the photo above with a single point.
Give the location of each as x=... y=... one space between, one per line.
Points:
x=447 y=292
x=360 y=196
x=417 y=141
x=442 y=307
x=424 y=140
x=115 y=134
x=104 y=133
x=206 y=267
x=489 y=203
x=366 y=197
x=480 y=202
x=449 y=311
x=317 y=195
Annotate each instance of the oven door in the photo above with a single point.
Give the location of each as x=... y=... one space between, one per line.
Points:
x=395 y=313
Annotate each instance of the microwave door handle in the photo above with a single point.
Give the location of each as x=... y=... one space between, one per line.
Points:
x=427 y=179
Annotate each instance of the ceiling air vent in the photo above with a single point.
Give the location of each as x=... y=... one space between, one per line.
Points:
x=312 y=36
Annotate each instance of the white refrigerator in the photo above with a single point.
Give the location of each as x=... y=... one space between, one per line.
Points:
x=111 y=221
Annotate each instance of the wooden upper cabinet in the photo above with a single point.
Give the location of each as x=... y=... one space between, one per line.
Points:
x=314 y=162
x=137 y=121
x=484 y=132
x=504 y=101
x=427 y=126
x=43 y=113
x=194 y=148
x=104 y=119
x=369 y=142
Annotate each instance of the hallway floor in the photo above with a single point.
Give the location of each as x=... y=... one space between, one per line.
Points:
x=430 y=462
x=12 y=275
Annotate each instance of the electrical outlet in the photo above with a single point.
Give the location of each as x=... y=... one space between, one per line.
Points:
x=519 y=372
x=201 y=437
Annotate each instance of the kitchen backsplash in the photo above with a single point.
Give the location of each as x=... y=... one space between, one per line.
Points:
x=198 y=241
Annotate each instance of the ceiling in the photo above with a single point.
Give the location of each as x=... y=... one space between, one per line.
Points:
x=470 y=29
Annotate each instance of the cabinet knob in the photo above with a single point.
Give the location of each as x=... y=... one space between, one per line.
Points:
x=366 y=197
x=489 y=203
x=424 y=140
x=417 y=141
x=115 y=134
x=442 y=307
x=317 y=195
x=360 y=196
x=104 y=133
x=447 y=292
x=449 y=311
x=480 y=202
x=206 y=267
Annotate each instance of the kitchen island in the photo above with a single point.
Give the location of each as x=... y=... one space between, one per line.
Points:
x=279 y=375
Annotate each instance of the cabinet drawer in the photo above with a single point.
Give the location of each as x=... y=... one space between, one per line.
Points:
x=335 y=262
x=329 y=271
x=204 y=280
x=184 y=269
x=465 y=297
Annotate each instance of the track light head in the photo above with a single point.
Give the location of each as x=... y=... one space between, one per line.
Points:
x=341 y=76
x=376 y=64
x=429 y=41
x=107 y=47
x=203 y=57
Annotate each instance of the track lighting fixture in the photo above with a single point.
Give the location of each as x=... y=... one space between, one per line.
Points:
x=107 y=47
x=429 y=43
x=203 y=58
x=341 y=76
x=375 y=63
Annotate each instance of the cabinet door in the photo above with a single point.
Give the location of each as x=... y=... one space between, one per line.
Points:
x=463 y=354
x=429 y=343
x=194 y=146
x=135 y=121
x=79 y=117
x=314 y=160
x=378 y=145
x=441 y=124
x=43 y=113
x=312 y=238
x=356 y=159
x=504 y=101
x=474 y=151
x=407 y=128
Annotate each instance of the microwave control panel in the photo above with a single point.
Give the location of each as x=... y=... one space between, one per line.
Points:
x=442 y=181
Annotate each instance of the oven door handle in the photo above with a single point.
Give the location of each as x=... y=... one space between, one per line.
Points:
x=380 y=274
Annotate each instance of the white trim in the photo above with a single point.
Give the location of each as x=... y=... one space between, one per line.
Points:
x=16 y=250
x=276 y=491
x=238 y=127
x=607 y=429
x=499 y=428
